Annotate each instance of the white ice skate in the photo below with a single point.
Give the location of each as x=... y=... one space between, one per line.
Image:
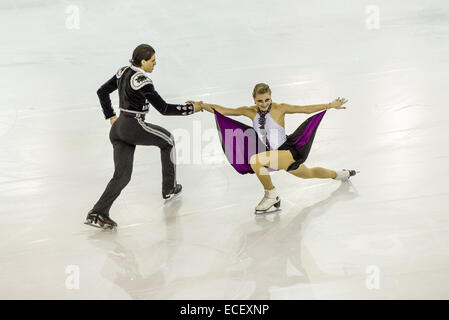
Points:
x=269 y=200
x=345 y=174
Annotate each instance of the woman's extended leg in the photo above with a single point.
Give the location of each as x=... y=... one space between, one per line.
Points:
x=317 y=172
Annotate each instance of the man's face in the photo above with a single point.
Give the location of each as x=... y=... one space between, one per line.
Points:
x=148 y=65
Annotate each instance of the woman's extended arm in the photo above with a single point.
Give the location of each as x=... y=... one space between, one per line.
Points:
x=336 y=104
x=240 y=111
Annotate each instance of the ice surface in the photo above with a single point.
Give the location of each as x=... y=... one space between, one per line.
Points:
x=330 y=239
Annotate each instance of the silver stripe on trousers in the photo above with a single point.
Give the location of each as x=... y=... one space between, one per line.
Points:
x=163 y=136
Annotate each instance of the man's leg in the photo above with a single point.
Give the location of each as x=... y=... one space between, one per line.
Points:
x=154 y=135
x=123 y=161
x=168 y=160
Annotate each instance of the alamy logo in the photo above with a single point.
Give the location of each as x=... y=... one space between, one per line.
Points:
x=372 y=281
x=73 y=19
x=372 y=20
x=73 y=280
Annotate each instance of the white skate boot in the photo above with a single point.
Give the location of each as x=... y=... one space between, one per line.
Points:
x=269 y=200
x=344 y=175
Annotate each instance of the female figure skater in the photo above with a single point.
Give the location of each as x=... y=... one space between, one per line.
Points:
x=136 y=91
x=282 y=152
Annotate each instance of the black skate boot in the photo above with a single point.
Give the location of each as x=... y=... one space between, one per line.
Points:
x=174 y=193
x=99 y=220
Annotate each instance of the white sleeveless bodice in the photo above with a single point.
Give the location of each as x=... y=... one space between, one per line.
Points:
x=275 y=133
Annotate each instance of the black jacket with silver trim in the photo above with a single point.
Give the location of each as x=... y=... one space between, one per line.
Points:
x=136 y=91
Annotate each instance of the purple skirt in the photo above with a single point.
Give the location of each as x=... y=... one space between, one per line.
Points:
x=240 y=142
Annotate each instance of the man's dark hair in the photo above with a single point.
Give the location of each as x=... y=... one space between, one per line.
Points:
x=141 y=52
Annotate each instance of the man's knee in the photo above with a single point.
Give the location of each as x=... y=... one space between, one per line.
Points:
x=169 y=144
x=123 y=177
x=127 y=175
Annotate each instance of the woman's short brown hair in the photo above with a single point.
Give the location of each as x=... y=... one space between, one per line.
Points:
x=261 y=88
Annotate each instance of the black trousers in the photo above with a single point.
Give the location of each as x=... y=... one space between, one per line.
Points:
x=128 y=131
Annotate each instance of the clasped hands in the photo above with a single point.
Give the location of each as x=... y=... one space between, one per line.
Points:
x=200 y=106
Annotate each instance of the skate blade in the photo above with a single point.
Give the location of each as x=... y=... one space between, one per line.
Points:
x=274 y=208
x=172 y=197
x=92 y=224
x=104 y=227
x=271 y=210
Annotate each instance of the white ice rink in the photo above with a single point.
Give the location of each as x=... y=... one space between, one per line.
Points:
x=383 y=236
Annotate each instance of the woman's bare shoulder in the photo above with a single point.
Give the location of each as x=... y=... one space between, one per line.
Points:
x=251 y=111
x=277 y=107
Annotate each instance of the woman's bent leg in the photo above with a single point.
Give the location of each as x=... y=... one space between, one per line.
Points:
x=279 y=160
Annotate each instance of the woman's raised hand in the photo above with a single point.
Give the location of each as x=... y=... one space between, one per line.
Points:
x=337 y=103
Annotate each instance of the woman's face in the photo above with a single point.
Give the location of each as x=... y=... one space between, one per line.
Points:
x=148 y=65
x=263 y=101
